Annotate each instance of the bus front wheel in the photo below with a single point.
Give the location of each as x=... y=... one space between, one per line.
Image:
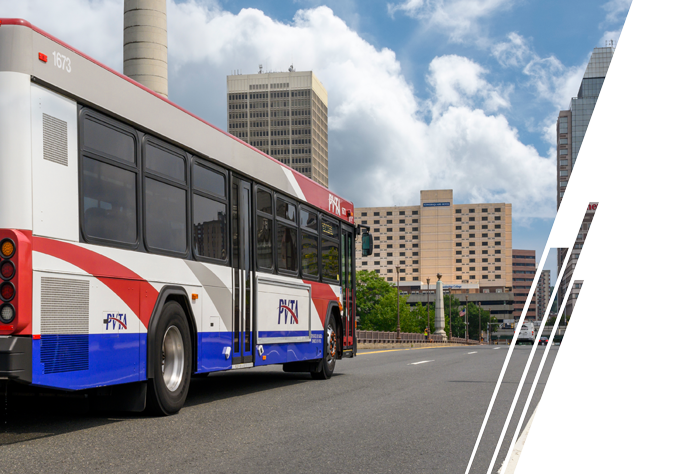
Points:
x=171 y=362
x=330 y=348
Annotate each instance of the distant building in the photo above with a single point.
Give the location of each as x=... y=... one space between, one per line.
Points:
x=543 y=291
x=469 y=244
x=283 y=114
x=523 y=272
x=571 y=130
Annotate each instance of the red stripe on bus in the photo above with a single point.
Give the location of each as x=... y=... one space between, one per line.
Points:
x=108 y=271
x=322 y=294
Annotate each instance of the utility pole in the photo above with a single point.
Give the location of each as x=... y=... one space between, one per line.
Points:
x=398 y=307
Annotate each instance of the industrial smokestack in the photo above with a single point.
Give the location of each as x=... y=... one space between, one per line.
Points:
x=145 y=44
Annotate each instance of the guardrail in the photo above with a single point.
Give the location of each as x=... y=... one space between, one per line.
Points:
x=389 y=337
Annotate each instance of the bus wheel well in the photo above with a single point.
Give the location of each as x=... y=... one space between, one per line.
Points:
x=177 y=294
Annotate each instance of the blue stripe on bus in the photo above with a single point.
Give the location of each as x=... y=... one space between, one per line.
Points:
x=76 y=362
x=85 y=361
x=282 y=333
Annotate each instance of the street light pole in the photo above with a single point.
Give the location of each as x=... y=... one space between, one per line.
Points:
x=467 y=322
x=450 y=316
x=398 y=307
x=429 y=332
x=479 y=328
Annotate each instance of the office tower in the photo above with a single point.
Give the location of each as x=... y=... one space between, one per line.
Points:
x=283 y=114
x=543 y=291
x=523 y=271
x=571 y=130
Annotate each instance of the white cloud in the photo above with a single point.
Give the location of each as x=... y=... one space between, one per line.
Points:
x=382 y=148
x=513 y=53
x=616 y=15
x=457 y=17
x=616 y=10
x=460 y=81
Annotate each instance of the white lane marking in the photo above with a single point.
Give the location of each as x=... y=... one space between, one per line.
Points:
x=421 y=362
x=472 y=352
x=496 y=348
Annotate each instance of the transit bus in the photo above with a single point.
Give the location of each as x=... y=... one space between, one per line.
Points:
x=141 y=246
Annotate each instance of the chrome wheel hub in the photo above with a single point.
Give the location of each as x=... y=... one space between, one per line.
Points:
x=331 y=344
x=172 y=358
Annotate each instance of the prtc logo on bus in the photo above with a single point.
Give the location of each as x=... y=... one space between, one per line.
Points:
x=288 y=308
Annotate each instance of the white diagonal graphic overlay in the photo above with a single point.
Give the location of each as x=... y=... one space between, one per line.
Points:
x=537 y=376
x=568 y=256
x=526 y=367
x=509 y=353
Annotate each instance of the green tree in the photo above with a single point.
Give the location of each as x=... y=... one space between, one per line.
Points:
x=473 y=311
x=376 y=303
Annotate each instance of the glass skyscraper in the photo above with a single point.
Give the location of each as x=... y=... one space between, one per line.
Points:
x=571 y=129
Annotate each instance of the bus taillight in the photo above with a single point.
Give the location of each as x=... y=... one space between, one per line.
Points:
x=7 y=248
x=15 y=282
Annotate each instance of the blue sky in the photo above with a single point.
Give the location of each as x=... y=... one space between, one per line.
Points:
x=567 y=31
x=423 y=94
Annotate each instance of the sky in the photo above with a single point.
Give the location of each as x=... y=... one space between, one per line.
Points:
x=423 y=94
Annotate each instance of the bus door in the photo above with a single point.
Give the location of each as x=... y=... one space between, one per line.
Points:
x=347 y=285
x=241 y=209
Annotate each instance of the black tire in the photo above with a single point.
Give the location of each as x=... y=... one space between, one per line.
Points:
x=166 y=396
x=330 y=348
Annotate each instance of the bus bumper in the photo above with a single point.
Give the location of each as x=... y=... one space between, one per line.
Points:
x=15 y=358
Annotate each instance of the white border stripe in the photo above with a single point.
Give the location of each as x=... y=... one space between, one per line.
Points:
x=292 y=180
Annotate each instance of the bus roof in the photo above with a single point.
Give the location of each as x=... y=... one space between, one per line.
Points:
x=111 y=91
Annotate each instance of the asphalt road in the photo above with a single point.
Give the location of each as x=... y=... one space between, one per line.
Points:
x=380 y=412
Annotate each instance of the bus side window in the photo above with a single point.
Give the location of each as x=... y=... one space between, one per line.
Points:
x=264 y=229
x=287 y=240
x=165 y=198
x=308 y=223
x=209 y=213
x=109 y=181
x=330 y=250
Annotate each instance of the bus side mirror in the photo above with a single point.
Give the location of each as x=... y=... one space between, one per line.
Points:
x=367 y=244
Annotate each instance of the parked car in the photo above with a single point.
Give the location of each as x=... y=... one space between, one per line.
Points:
x=543 y=341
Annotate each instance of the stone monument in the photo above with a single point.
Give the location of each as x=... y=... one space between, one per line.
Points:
x=439 y=318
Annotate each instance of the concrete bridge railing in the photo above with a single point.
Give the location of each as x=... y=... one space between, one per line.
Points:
x=389 y=337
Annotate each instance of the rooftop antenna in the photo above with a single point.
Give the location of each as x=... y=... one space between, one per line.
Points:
x=609 y=43
x=260 y=68
x=291 y=68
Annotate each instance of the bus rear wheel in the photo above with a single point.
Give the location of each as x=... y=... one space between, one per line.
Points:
x=329 y=351
x=171 y=362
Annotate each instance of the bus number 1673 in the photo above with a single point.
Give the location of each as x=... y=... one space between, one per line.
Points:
x=61 y=61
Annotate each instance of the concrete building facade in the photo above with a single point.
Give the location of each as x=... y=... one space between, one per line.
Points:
x=523 y=271
x=543 y=293
x=283 y=114
x=469 y=244
x=571 y=128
